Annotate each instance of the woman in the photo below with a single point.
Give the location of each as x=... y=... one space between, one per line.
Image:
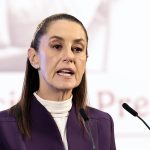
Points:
x=47 y=116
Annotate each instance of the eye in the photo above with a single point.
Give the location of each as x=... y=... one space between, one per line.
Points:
x=77 y=49
x=56 y=46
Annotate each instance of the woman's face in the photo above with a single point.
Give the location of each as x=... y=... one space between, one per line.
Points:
x=62 y=56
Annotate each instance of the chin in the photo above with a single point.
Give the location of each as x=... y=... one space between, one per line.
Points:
x=67 y=87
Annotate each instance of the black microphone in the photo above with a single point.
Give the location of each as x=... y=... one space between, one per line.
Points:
x=87 y=126
x=134 y=113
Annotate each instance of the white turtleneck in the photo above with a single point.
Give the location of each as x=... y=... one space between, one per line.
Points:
x=59 y=111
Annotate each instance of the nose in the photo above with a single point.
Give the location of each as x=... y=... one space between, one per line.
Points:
x=68 y=56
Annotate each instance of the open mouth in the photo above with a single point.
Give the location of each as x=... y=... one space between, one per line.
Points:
x=65 y=72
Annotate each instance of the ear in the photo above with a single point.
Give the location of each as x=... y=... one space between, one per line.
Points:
x=33 y=58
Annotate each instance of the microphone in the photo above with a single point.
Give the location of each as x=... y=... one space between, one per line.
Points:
x=87 y=126
x=134 y=113
x=129 y=109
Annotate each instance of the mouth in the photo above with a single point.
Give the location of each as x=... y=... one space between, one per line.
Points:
x=66 y=72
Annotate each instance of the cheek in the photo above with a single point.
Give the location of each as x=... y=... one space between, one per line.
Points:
x=81 y=66
x=45 y=64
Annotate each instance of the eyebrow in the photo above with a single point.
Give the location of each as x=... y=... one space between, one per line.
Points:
x=79 y=40
x=56 y=37
x=60 y=38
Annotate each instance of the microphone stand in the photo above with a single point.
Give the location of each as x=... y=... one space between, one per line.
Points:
x=90 y=134
x=87 y=127
x=144 y=122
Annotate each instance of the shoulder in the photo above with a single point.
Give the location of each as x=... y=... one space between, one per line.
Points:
x=5 y=116
x=102 y=119
x=96 y=114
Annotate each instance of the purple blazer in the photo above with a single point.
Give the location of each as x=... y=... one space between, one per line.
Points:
x=46 y=136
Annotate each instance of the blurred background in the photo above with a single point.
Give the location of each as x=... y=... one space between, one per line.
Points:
x=119 y=57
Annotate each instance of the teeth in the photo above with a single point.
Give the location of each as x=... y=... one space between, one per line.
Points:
x=67 y=71
x=64 y=74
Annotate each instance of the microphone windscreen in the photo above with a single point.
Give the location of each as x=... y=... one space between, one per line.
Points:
x=84 y=115
x=129 y=109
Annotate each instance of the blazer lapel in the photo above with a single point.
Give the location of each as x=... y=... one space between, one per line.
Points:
x=77 y=137
x=45 y=133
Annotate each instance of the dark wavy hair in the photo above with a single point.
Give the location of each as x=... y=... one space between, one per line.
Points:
x=21 y=110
